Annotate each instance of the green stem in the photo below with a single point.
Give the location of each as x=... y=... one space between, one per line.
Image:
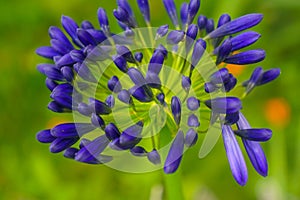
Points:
x=173 y=186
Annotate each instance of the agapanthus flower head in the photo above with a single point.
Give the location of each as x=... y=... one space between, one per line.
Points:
x=131 y=92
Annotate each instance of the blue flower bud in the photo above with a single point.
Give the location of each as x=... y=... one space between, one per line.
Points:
x=202 y=21
x=69 y=130
x=85 y=37
x=110 y=101
x=269 y=76
x=156 y=62
x=138 y=56
x=51 y=71
x=47 y=52
x=126 y=53
x=186 y=83
x=237 y=25
x=193 y=9
x=224 y=105
x=112 y=132
x=68 y=73
x=125 y=5
x=138 y=151
x=77 y=55
x=87 y=25
x=51 y=84
x=191 y=35
x=184 y=13
x=84 y=109
x=247 y=57
x=193 y=103
x=56 y=107
x=144 y=8
x=65 y=61
x=132 y=135
x=176 y=109
x=125 y=97
x=193 y=121
x=254 y=79
x=174 y=37
x=199 y=49
x=244 y=39
x=231 y=118
x=136 y=76
x=142 y=93
x=154 y=157
x=171 y=10
x=210 y=87
x=162 y=31
x=161 y=98
x=70 y=153
x=234 y=156
x=162 y=49
x=260 y=135
x=191 y=138
x=97 y=121
x=225 y=18
x=97 y=37
x=103 y=20
x=71 y=27
x=57 y=34
x=60 y=47
x=210 y=26
x=175 y=154
x=153 y=80
x=120 y=62
x=114 y=84
x=224 y=51
x=60 y=144
x=230 y=84
x=45 y=136
x=220 y=76
x=123 y=16
x=99 y=107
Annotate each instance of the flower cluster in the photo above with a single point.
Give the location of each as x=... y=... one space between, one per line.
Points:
x=136 y=89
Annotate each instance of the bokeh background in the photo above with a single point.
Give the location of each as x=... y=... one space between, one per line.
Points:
x=29 y=171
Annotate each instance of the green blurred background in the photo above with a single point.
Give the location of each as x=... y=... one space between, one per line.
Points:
x=29 y=171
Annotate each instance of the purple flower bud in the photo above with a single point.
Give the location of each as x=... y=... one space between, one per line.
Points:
x=156 y=62
x=99 y=107
x=194 y=6
x=56 y=107
x=45 y=136
x=144 y=8
x=224 y=51
x=70 y=153
x=87 y=25
x=68 y=73
x=136 y=76
x=97 y=121
x=176 y=109
x=142 y=93
x=175 y=154
x=132 y=135
x=62 y=88
x=153 y=80
x=60 y=144
x=202 y=21
x=129 y=33
x=103 y=20
x=193 y=103
x=120 y=62
x=85 y=37
x=234 y=156
x=244 y=39
x=210 y=26
x=125 y=52
x=65 y=60
x=210 y=87
x=84 y=109
x=162 y=31
x=259 y=135
x=174 y=37
x=64 y=100
x=171 y=10
x=237 y=25
x=199 y=49
x=161 y=98
x=125 y=97
x=269 y=76
x=60 y=47
x=224 y=105
x=90 y=152
x=230 y=84
x=186 y=83
x=220 y=76
x=154 y=157
x=138 y=151
x=69 y=130
x=231 y=118
x=84 y=72
x=71 y=27
x=47 y=52
x=191 y=35
x=51 y=84
x=247 y=57
x=184 y=13
x=51 y=71
x=77 y=55
x=110 y=101
x=84 y=142
x=191 y=138
x=114 y=84
x=254 y=79
x=193 y=121
x=112 y=132
x=57 y=34
x=125 y=5
x=123 y=16
x=138 y=56
x=98 y=37
x=225 y=18
x=162 y=49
